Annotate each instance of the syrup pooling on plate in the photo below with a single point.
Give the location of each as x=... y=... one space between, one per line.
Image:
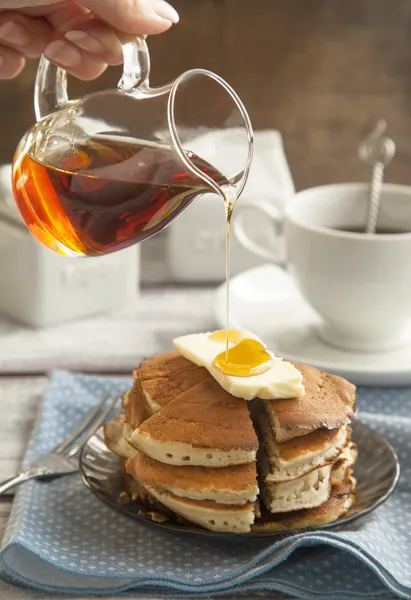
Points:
x=246 y=358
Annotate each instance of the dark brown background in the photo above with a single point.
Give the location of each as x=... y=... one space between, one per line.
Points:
x=321 y=71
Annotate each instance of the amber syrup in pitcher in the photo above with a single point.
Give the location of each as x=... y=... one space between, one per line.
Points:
x=104 y=194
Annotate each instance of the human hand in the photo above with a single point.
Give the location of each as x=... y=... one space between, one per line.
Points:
x=81 y=36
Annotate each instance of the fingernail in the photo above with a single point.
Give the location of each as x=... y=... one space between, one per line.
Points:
x=85 y=41
x=63 y=53
x=166 y=11
x=14 y=33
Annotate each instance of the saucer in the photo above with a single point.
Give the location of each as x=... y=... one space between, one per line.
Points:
x=266 y=301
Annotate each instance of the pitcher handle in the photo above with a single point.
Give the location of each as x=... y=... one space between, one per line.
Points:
x=50 y=90
x=176 y=139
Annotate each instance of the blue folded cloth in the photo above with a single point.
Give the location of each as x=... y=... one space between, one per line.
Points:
x=60 y=539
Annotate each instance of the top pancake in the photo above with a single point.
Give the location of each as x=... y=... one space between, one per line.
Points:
x=328 y=402
x=166 y=376
x=204 y=426
x=114 y=438
x=204 y=416
x=136 y=408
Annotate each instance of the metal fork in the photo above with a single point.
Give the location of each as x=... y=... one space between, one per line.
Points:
x=61 y=460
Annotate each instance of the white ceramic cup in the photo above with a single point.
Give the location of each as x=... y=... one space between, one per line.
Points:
x=359 y=284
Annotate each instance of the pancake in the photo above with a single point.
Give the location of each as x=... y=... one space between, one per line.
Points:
x=204 y=426
x=136 y=407
x=294 y=458
x=307 y=491
x=166 y=376
x=346 y=459
x=137 y=410
x=229 y=485
x=124 y=399
x=151 y=507
x=296 y=451
x=117 y=431
x=328 y=402
x=208 y=514
x=341 y=499
x=114 y=438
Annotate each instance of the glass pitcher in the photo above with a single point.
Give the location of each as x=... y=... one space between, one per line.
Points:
x=100 y=173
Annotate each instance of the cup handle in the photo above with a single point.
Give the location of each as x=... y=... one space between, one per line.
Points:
x=239 y=228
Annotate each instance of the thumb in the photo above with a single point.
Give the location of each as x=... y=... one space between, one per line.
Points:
x=134 y=16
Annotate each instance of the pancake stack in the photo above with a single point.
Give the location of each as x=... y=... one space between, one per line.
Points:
x=227 y=464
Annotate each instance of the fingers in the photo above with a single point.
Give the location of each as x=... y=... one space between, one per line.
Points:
x=26 y=4
x=135 y=16
x=98 y=40
x=67 y=15
x=71 y=34
x=27 y=36
x=78 y=62
x=89 y=44
x=11 y=62
x=20 y=37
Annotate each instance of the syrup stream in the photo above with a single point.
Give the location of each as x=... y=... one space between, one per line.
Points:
x=248 y=357
x=229 y=206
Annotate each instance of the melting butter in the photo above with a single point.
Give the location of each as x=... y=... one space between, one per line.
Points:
x=280 y=380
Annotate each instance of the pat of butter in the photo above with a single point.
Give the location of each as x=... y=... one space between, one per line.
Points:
x=281 y=380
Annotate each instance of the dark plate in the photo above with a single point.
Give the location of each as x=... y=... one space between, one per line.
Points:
x=377 y=472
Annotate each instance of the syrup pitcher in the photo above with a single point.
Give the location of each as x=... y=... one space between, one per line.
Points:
x=106 y=171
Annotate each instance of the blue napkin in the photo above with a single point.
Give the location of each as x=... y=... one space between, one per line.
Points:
x=60 y=539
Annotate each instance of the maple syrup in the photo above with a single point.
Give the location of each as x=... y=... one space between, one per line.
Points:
x=246 y=358
x=103 y=195
x=232 y=336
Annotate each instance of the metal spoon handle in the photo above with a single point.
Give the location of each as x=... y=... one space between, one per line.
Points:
x=375 y=194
